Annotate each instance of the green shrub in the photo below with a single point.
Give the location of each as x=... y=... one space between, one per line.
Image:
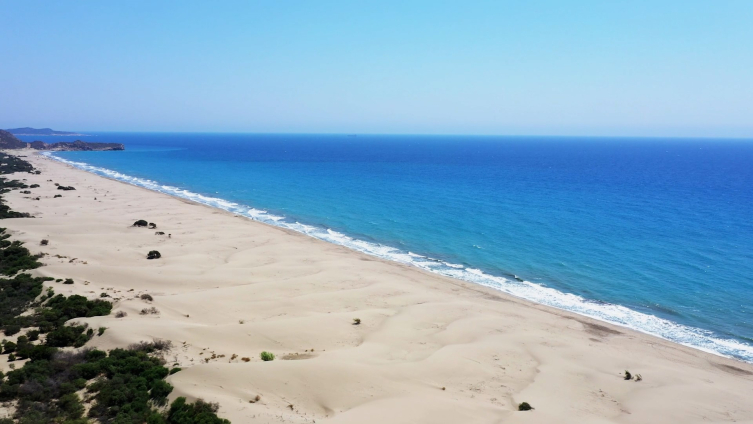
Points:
x=140 y=223
x=628 y=376
x=174 y=370
x=267 y=356
x=68 y=281
x=199 y=412
x=101 y=331
x=14 y=257
x=9 y=347
x=12 y=329
x=67 y=336
x=524 y=406
x=159 y=391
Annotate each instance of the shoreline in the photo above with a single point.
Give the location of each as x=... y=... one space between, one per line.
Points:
x=535 y=293
x=297 y=296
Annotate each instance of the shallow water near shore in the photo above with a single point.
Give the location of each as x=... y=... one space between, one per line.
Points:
x=654 y=235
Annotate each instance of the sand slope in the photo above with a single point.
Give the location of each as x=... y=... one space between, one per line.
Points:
x=429 y=349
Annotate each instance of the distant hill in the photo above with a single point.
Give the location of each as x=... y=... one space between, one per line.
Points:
x=40 y=131
x=9 y=141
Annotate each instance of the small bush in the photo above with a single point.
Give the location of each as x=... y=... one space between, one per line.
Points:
x=146 y=297
x=12 y=329
x=174 y=370
x=156 y=345
x=524 y=406
x=267 y=356
x=149 y=311
x=245 y=359
x=68 y=281
x=628 y=376
x=33 y=335
x=103 y=294
x=160 y=344
x=101 y=331
x=356 y=321
x=198 y=412
x=11 y=358
x=140 y=223
x=34 y=186
x=121 y=314
x=152 y=226
x=57 y=195
x=9 y=347
x=153 y=254
x=638 y=377
x=44 y=242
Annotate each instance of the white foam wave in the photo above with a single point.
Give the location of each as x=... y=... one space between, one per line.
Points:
x=614 y=314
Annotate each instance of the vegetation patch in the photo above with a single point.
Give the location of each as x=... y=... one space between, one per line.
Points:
x=14 y=257
x=8 y=165
x=524 y=406
x=123 y=386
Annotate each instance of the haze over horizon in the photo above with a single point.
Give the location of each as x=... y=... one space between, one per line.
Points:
x=675 y=69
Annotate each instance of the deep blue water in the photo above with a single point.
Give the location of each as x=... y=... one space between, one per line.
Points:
x=653 y=234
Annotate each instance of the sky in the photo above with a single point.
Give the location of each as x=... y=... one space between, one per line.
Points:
x=602 y=68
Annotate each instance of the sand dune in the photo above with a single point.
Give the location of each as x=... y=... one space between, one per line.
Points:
x=428 y=350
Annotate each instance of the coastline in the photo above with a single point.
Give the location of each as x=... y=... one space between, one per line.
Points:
x=615 y=313
x=420 y=332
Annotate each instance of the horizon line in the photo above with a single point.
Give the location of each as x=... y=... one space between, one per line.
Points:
x=356 y=134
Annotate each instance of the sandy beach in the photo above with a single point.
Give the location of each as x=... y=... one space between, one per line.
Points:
x=428 y=349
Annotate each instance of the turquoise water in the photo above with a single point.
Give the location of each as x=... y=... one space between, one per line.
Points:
x=651 y=234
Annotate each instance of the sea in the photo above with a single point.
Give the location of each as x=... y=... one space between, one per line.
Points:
x=651 y=234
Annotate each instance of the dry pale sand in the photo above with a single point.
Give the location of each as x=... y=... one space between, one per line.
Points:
x=429 y=349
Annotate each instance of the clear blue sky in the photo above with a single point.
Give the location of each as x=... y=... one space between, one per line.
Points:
x=665 y=68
